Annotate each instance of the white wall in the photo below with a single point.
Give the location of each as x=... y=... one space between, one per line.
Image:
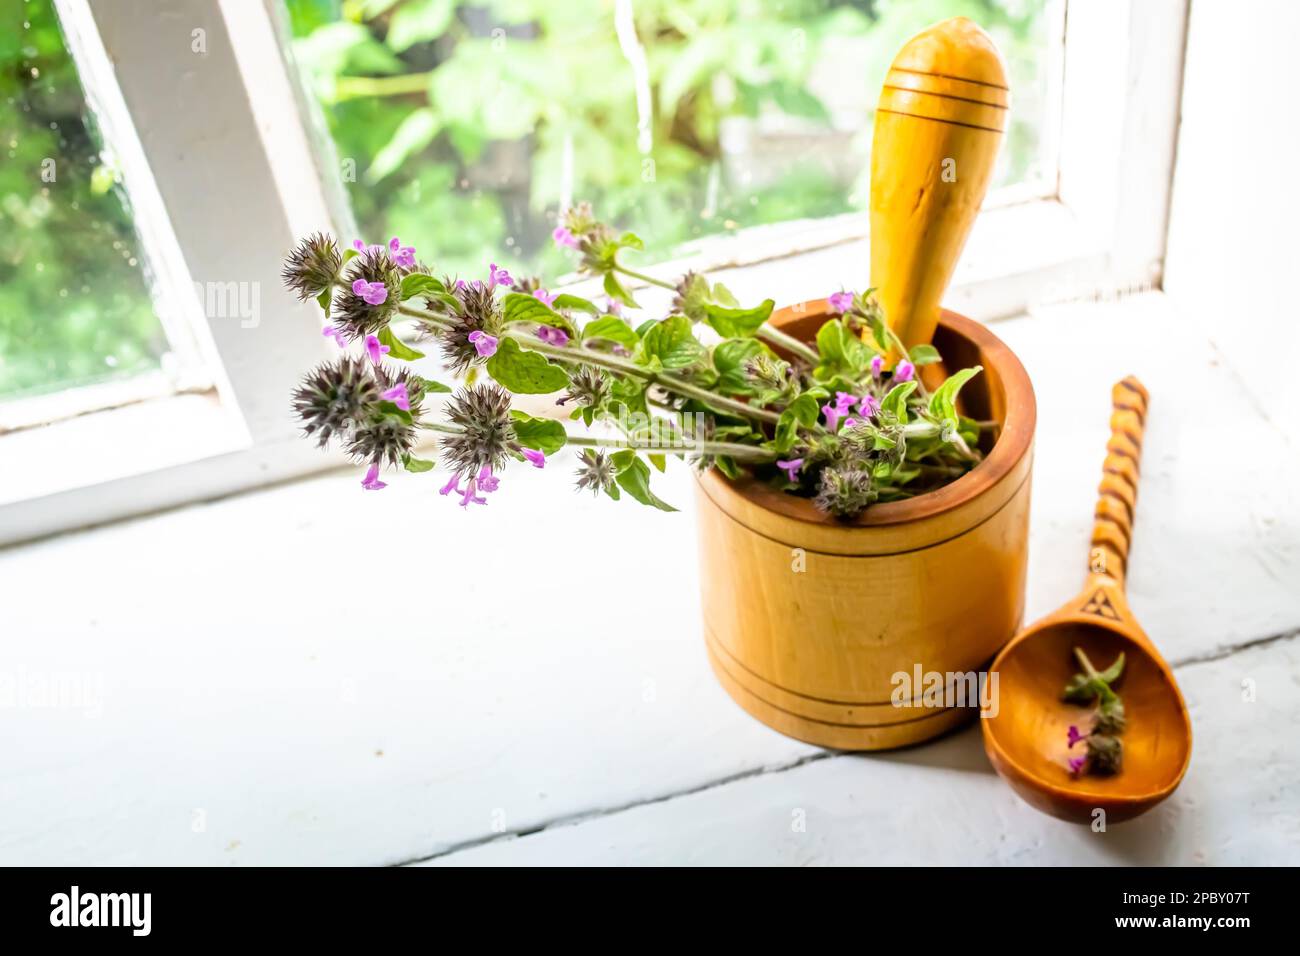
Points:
x=1233 y=261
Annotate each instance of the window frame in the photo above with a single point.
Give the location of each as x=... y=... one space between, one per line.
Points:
x=1102 y=229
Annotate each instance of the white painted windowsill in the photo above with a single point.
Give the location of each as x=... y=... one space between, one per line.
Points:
x=243 y=686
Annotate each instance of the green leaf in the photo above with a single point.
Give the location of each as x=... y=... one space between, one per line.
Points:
x=733 y=323
x=345 y=48
x=543 y=434
x=391 y=410
x=802 y=412
x=614 y=289
x=630 y=240
x=417 y=283
x=1112 y=673
x=924 y=354
x=727 y=465
x=326 y=299
x=518 y=307
x=433 y=388
x=419 y=21
x=102 y=180
x=526 y=308
x=416 y=132
x=634 y=477
x=795 y=99
x=672 y=342
x=576 y=303
x=722 y=295
x=895 y=403
x=1080 y=688
x=417 y=465
x=729 y=358
x=842 y=352
x=630 y=392
x=524 y=373
x=943 y=403
x=447 y=300
x=611 y=328
x=398 y=349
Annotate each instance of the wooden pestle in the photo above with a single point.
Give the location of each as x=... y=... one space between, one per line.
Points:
x=939 y=123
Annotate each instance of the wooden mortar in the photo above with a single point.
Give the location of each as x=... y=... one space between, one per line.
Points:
x=936 y=581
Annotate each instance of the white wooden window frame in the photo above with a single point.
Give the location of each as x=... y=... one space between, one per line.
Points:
x=226 y=161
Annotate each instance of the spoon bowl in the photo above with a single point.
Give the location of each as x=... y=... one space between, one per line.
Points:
x=1026 y=736
x=1027 y=739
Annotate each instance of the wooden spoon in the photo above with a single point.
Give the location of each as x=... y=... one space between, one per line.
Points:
x=1026 y=740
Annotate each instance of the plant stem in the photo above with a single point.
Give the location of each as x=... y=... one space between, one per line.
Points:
x=433 y=319
x=572 y=353
x=734 y=449
x=774 y=335
x=356 y=87
x=613 y=363
x=650 y=280
x=765 y=331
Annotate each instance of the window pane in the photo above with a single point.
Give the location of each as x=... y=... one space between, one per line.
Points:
x=75 y=308
x=464 y=128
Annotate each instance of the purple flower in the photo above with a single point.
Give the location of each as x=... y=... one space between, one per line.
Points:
x=850 y=422
x=536 y=457
x=487 y=482
x=1074 y=736
x=552 y=336
x=791 y=468
x=467 y=496
x=904 y=371
x=614 y=307
x=498 y=277
x=870 y=406
x=403 y=256
x=844 y=401
x=358 y=245
x=877 y=363
x=330 y=332
x=563 y=237
x=375 y=293
x=841 y=301
x=485 y=344
x=1076 y=764
x=397 y=395
x=371 y=482
x=833 y=416
x=375 y=350
x=546 y=298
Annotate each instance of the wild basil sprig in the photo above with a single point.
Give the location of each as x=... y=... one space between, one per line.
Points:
x=1103 y=750
x=844 y=421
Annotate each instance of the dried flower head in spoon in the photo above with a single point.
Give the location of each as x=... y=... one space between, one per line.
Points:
x=1103 y=753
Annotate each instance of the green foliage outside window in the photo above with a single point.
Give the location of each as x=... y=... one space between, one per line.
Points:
x=455 y=123
x=74 y=306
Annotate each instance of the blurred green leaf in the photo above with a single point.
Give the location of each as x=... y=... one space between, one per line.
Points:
x=416 y=132
x=418 y=21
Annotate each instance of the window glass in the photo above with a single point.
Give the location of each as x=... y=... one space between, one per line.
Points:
x=75 y=307
x=464 y=128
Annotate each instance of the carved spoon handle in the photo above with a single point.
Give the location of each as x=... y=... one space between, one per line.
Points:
x=1112 y=527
